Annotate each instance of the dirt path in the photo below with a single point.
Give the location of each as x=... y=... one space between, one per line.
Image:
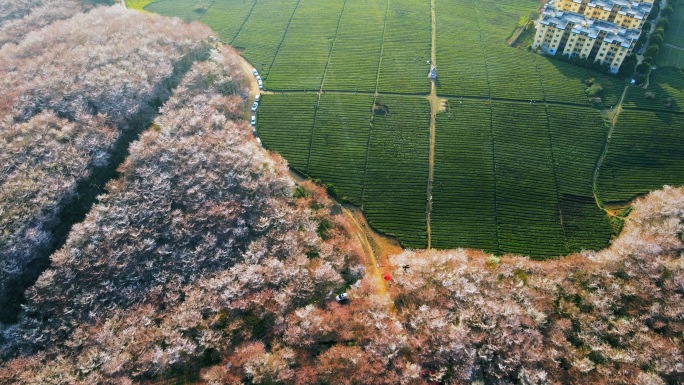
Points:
x=434 y=108
x=377 y=248
x=615 y=113
x=247 y=67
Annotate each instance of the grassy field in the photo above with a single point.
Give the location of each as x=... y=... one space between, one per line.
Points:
x=285 y=125
x=395 y=197
x=673 y=56
x=301 y=61
x=473 y=59
x=645 y=153
x=675 y=32
x=340 y=143
x=665 y=83
x=262 y=33
x=138 y=4
x=464 y=192
x=188 y=11
x=406 y=47
x=355 y=58
x=510 y=175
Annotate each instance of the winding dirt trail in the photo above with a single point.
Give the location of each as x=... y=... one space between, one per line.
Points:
x=434 y=108
x=377 y=248
x=613 y=119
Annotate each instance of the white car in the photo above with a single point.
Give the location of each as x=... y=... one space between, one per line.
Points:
x=257 y=98
x=261 y=85
x=258 y=78
x=342 y=297
x=255 y=72
x=253 y=121
x=255 y=106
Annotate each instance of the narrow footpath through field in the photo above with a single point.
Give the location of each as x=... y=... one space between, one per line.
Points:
x=434 y=108
x=613 y=115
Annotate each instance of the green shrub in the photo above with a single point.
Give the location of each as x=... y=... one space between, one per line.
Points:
x=594 y=91
x=596 y=103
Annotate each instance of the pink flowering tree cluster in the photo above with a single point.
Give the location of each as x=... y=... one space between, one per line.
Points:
x=204 y=258
x=609 y=317
x=71 y=94
x=199 y=251
x=19 y=17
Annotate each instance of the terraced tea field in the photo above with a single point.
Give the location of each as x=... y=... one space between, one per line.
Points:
x=672 y=52
x=645 y=153
x=499 y=154
x=666 y=83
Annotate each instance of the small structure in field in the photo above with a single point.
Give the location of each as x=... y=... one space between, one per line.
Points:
x=433 y=73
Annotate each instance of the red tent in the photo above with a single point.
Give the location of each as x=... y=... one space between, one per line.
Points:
x=387 y=277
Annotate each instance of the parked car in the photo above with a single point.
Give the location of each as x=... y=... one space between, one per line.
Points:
x=342 y=297
x=257 y=98
x=258 y=78
x=261 y=84
x=255 y=106
x=253 y=121
x=255 y=72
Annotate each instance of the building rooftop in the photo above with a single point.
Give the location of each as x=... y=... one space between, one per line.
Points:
x=561 y=19
x=584 y=25
x=624 y=7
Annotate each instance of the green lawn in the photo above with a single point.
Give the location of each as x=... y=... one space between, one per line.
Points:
x=356 y=55
x=673 y=56
x=406 y=47
x=138 y=4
